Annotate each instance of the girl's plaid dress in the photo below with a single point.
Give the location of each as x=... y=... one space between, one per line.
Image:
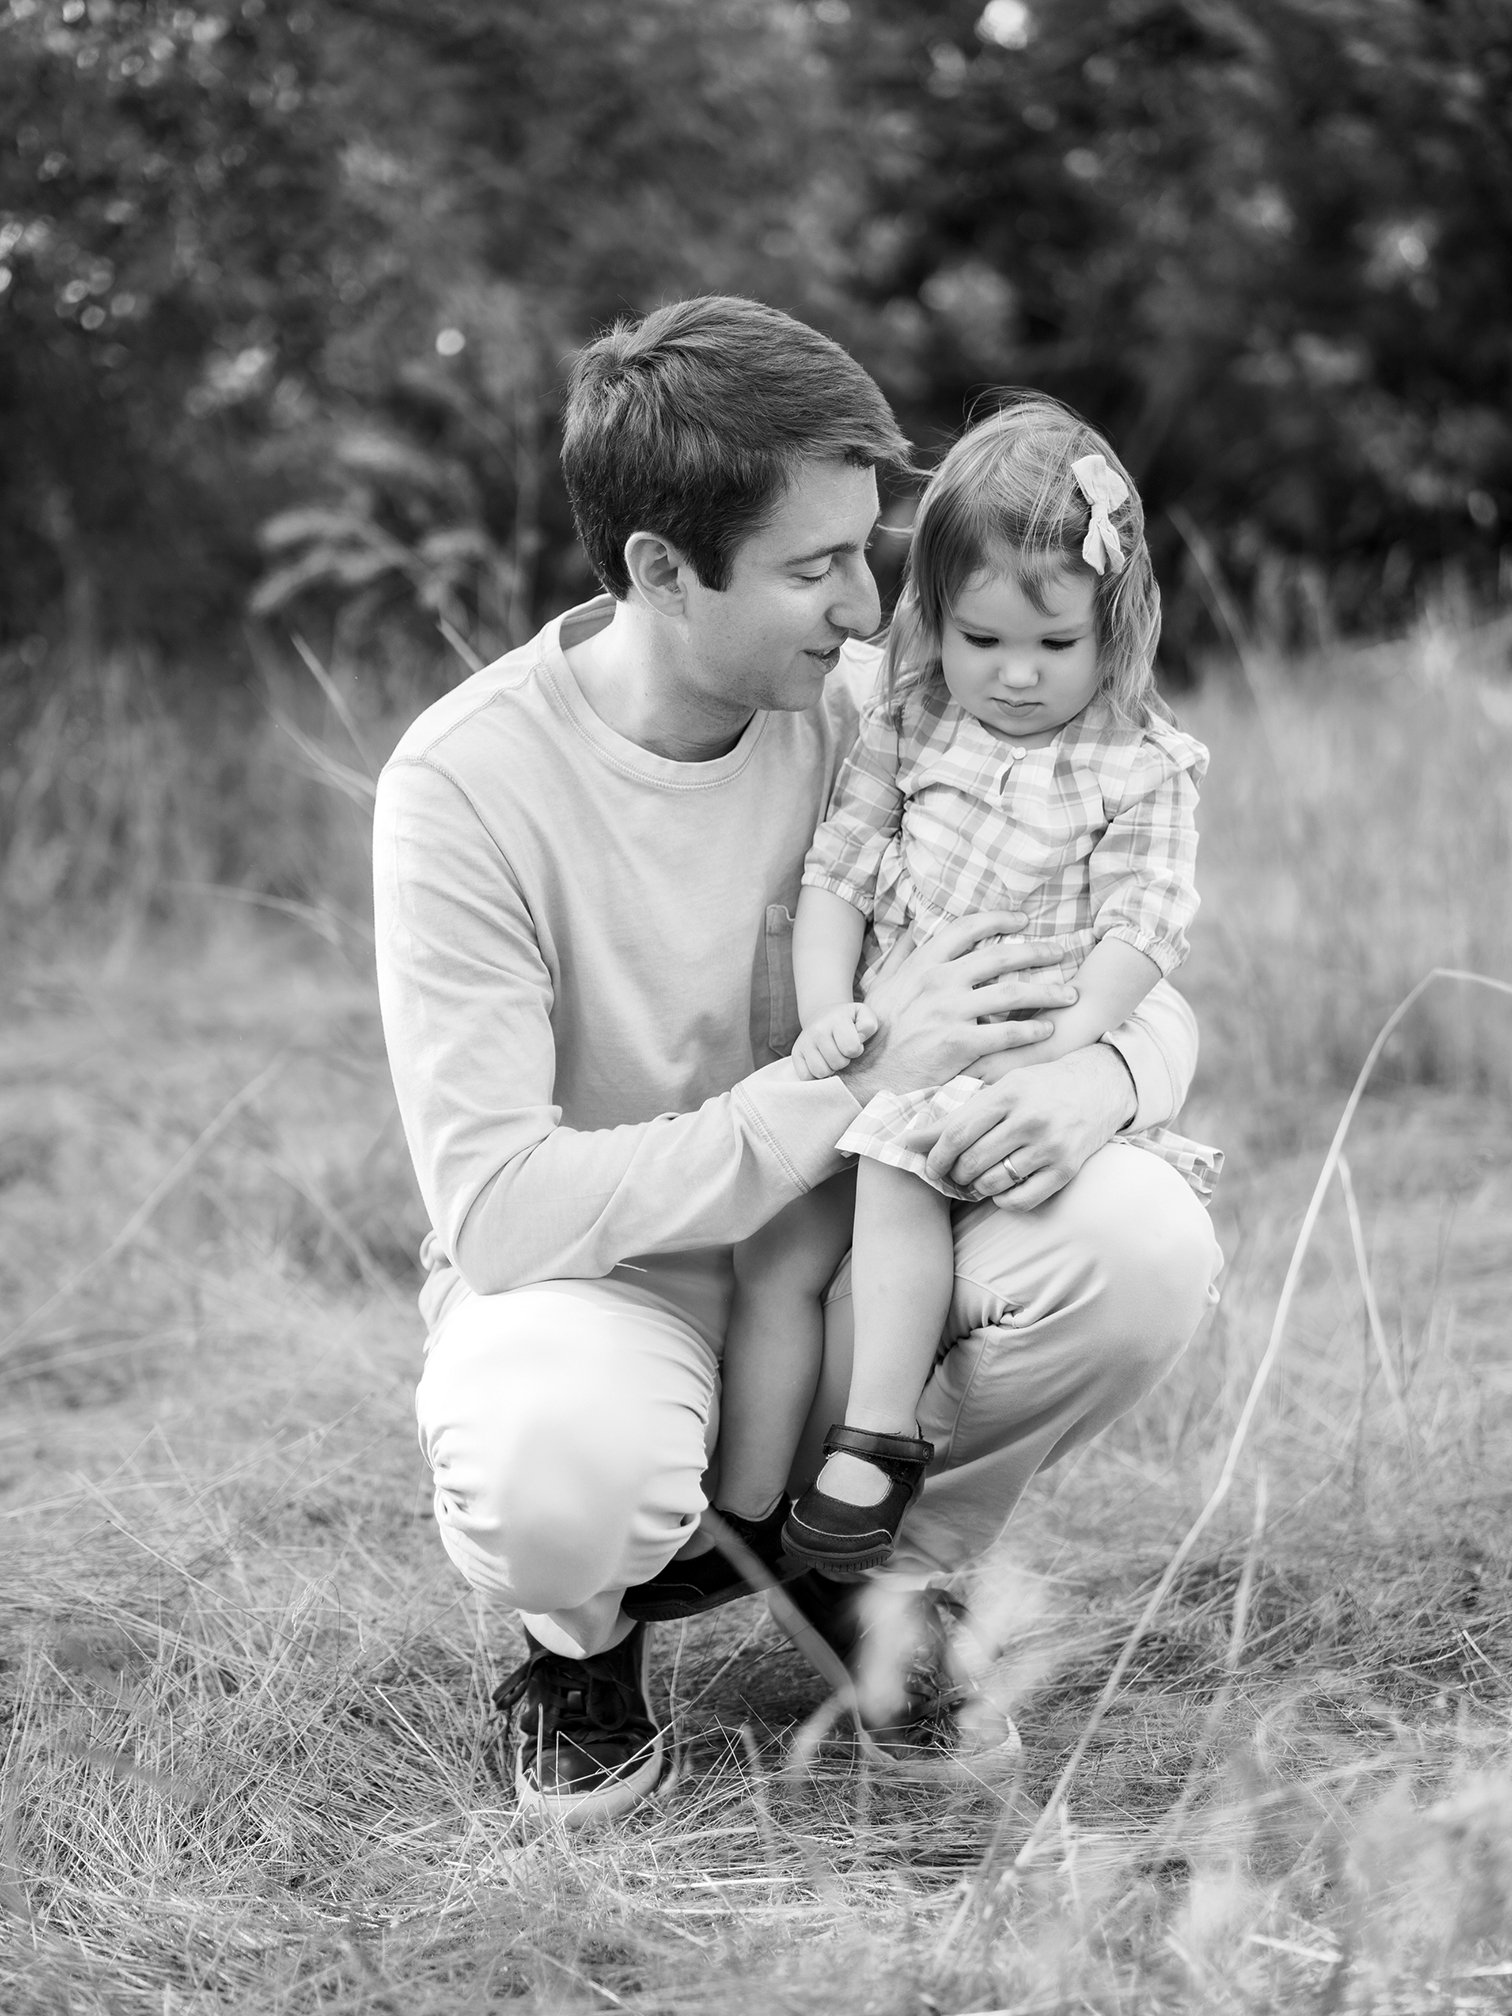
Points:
x=935 y=816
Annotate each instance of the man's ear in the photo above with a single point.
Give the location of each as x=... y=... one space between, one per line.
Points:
x=658 y=572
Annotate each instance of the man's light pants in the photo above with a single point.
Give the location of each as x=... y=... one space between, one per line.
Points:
x=570 y=1425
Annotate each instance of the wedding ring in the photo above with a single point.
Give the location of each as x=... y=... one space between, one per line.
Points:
x=1013 y=1174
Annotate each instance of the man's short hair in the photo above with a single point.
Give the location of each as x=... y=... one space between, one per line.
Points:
x=691 y=422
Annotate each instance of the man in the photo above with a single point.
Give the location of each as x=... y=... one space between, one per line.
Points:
x=587 y=858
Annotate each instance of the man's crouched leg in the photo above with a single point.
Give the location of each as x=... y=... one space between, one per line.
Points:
x=568 y=1427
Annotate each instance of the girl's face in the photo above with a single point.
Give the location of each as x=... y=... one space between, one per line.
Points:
x=1021 y=671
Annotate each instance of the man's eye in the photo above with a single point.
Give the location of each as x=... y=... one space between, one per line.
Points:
x=819 y=577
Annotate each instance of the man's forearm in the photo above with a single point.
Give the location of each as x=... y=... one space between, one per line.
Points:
x=573 y=1203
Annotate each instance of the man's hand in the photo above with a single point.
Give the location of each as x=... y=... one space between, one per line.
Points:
x=1048 y=1118
x=929 y=1006
x=833 y=1040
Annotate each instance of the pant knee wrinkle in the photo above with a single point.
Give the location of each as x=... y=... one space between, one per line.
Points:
x=990 y=1292
x=942 y=1457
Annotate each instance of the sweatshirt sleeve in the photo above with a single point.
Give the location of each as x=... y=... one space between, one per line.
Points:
x=1158 y=1043
x=513 y=1195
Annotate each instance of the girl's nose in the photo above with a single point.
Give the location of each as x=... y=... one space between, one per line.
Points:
x=1019 y=672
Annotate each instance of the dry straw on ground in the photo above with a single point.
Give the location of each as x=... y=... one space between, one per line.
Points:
x=248 y=1758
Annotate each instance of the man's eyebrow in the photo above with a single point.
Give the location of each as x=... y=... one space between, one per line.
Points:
x=840 y=546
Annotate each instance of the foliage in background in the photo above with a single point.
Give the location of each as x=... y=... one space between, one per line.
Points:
x=334 y=258
x=170 y=204
x=1263 y=244
x=317 y=269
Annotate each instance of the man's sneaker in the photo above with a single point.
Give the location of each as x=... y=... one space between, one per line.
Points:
x=586 y=1744
x=687 y=1588
x=915 y=1691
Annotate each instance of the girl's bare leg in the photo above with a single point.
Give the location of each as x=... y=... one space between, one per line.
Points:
x=775 y=1344
x=902 y=1279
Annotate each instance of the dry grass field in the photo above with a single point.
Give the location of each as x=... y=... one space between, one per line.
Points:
x=248 y=1762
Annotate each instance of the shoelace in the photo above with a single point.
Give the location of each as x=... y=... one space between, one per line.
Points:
x=554 y=1686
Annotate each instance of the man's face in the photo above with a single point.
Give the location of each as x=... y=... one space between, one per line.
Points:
x=799 y=586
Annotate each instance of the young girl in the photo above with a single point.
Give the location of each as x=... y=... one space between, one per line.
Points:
x=1016 y=757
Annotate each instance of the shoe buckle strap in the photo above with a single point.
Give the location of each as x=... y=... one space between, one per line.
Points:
x=901 y=1457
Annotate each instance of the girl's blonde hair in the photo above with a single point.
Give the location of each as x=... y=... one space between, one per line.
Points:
x=1005 y=500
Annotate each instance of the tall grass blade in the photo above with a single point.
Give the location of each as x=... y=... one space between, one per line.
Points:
x=459 y=644
x=1257 y=1387
x=337 y=698
x=327 y=920
x=825 y=1661
x=324 y=767
x=1226 y=616
x=1373 y=1313
x=759 y=1800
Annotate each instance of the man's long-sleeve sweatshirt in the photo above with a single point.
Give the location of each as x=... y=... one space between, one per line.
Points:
x=585 y=970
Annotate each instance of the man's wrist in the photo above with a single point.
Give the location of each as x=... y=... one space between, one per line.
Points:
x=863 y=1079
x=1123 y=1093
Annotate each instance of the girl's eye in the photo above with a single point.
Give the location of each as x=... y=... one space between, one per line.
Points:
x=1058 y=643
x=979 y=643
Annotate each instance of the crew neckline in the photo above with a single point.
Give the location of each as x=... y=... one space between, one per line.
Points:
x=616 y=749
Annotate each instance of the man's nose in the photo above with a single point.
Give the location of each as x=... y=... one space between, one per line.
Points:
x=858 y=607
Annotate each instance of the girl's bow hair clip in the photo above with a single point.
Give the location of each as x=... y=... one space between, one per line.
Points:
x=1104 y=490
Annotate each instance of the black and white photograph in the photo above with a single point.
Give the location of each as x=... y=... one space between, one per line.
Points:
x=755 y=1007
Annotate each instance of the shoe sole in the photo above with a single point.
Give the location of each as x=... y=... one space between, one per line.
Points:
x=839 y=1567
x=601 y=1802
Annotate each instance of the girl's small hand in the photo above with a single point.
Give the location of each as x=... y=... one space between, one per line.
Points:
x=834 y=1040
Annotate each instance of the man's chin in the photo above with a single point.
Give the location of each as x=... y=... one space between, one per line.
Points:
x=806 y=687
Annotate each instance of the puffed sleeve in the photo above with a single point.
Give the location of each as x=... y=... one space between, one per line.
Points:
x=1143 y=869
x=864 y=815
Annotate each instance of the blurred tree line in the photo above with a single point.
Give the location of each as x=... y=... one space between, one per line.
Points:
x=286 y=292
